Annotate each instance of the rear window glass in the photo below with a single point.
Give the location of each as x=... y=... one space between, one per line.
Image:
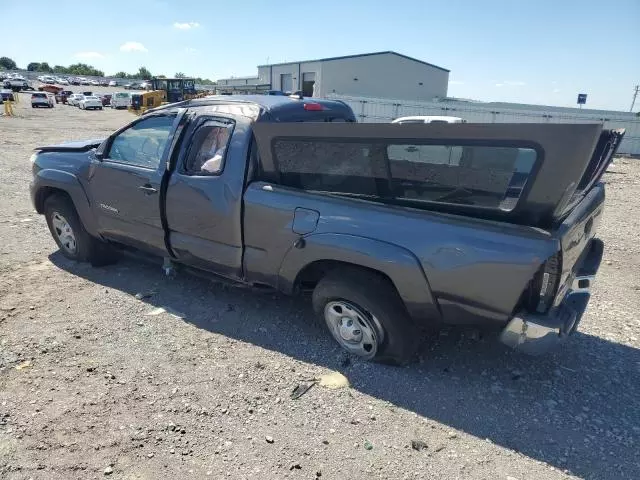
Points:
x=122 y=95
x=39 y=95
x=478 y=176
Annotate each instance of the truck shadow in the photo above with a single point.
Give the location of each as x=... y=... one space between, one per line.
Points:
x=577 y=409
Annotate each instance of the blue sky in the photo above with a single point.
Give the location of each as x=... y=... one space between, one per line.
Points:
x=538 y=51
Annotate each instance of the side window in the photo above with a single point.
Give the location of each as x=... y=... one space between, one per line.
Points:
x=143 y=143
x=208 y=149
x=483 y=176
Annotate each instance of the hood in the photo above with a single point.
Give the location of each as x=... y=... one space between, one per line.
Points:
x=76 y=146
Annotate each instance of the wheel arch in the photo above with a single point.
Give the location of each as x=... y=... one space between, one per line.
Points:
x=304 y=267
x=309 y=276
x=56 y=182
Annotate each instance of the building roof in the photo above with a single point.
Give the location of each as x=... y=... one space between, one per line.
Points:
x=329 y=59
x=248 y=77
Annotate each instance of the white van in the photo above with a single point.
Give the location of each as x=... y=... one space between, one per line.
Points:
x=120 y=100
x=429 y=119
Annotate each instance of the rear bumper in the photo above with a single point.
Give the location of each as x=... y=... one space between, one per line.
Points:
x=536 y=334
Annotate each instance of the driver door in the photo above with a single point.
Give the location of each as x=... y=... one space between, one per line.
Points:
x=125 y=183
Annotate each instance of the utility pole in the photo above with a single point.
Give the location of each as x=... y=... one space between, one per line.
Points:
x=635 y=94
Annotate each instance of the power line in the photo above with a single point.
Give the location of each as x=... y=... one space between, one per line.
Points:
x=635 y=94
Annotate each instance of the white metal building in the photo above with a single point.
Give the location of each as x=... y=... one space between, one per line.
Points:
x=380 y=74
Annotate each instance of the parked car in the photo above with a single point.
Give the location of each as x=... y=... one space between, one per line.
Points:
x=74 y=81
x=120 y=100
x=113 y=83
x=106 y=99
x=85 y=81
x=429 y=119
x=41 y=99
x=62 y=96
x=16 y=83
x=94 y=83
x=74 y=98
x=132 y=86
x=62 y=81
x=90 y=102
x=502 y=235
x=6 y=94
x=50 y=88
x=145 y=85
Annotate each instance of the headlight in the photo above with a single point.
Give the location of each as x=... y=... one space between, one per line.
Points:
x=33 y=157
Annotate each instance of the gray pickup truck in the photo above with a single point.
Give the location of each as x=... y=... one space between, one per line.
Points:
x=393 y=228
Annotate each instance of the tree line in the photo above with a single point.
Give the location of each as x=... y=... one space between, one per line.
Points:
x=7 y=63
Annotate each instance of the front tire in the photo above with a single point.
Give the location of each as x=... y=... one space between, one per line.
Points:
x=366 y=316
x=69 y=233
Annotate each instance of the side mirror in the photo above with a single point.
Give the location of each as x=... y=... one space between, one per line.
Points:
x=99 y=153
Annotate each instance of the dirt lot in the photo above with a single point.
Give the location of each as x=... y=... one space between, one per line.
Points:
x=95 y=382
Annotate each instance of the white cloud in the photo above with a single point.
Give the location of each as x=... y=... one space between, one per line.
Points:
x=133 y=47
x=88 y=55
x=456 y=82
x=186 y=26
x=190 y=50
x=556 y=90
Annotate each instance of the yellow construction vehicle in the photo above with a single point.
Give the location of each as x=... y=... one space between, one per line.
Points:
x=141 y=102
x=163 y=90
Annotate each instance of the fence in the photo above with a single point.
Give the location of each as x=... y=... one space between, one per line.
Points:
x=375 y=110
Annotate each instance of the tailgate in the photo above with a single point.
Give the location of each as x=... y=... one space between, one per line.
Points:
x=581 y=254
x=577 y=240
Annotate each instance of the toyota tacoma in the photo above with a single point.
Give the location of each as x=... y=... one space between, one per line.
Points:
x=392 y=228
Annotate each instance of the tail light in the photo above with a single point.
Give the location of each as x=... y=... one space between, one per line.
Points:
x=545 y=284
x=313 y=107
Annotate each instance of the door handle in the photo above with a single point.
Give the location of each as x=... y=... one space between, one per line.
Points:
x=148 y=189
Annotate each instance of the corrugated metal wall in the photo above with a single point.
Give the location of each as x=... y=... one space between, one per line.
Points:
x=376 y=110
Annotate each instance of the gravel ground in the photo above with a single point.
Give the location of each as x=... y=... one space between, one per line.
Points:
x=193 y=380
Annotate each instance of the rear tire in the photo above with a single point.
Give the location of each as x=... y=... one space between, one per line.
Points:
x=366 y=316
x=69 y=233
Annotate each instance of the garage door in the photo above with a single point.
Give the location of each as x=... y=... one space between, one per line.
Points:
x=286 y=82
